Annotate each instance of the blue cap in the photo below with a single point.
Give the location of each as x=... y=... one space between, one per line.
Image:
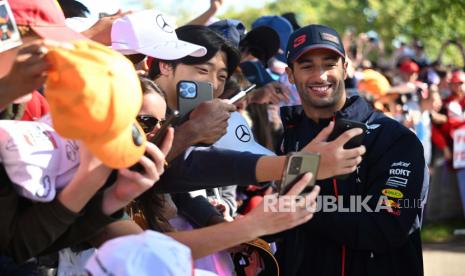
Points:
x=313 y=37
x=281 y=25
x=256 y=73
x=233 y=30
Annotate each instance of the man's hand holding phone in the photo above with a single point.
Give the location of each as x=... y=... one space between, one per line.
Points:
x=335 y=158
x=210 y=120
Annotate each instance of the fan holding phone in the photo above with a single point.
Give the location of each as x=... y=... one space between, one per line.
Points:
x=152 y=117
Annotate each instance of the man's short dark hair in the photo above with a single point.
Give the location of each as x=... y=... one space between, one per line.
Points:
x=207 y=38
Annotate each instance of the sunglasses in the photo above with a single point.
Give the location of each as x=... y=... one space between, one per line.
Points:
x=148 y=122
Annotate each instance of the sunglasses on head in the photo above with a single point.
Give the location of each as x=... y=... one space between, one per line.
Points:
x=148 y=122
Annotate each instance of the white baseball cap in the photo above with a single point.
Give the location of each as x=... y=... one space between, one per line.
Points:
x=151 y=33
x=148 y=253
x=36 y=159
x=239 y=137
x=80 y=24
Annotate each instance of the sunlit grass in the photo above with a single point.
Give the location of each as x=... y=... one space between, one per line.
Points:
x=441 y=231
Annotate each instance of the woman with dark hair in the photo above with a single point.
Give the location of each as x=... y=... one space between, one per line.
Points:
x=152 y=210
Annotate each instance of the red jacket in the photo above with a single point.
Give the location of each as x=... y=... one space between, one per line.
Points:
x=35 y=108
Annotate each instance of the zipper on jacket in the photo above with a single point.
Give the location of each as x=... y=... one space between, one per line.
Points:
x=336 y=193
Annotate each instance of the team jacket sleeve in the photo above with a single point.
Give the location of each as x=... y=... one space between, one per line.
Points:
x=397 y=177
x=208 y=167
x=197 y=210
x=89 y=224
x=25 y=231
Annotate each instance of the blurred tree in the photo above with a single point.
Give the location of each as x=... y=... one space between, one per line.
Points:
x=431 y=21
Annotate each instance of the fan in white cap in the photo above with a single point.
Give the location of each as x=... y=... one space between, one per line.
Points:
x=148 y=253
x=239 y=137
x=151 y=33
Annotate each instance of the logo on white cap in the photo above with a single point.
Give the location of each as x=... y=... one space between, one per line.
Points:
x=151 y=33
x=239 y=137
x=243 y=133
x=161 y=22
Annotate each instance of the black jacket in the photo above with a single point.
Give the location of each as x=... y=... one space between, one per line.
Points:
x=361 y=243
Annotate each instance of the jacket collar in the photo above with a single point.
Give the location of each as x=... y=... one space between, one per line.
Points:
x=355 y=109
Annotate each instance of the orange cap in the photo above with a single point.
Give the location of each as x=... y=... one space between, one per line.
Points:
x=374 y=83
x=94 y=95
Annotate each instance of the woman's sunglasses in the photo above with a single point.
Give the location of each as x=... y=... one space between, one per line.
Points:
x=148 y=122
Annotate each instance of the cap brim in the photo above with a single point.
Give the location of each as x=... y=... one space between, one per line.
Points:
x=271 y=264
x=314 y=47
x=80 y=24
x=121 y=151
x=256 y=73
x=171 y=50
x=263 y=38
x=58 y=33
x=457 y=80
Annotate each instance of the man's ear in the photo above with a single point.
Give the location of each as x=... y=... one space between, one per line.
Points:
x=165 y=68
x=290 y=74
x=345 y=66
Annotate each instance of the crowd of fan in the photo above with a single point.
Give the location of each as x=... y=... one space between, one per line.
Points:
x=74 y=111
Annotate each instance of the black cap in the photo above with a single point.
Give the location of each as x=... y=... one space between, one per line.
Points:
x=313 y=37
x=262 y=42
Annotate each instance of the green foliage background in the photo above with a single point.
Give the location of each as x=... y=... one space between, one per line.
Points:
x=431 y=21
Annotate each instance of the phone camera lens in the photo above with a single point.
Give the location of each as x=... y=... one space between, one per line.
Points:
x=188 y=90
x=295 y=166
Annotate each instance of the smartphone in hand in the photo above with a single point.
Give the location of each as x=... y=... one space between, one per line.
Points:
x=297 y=164
x=191 y=94
x=171 y=121
x=341 y=126
x=159 y=137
